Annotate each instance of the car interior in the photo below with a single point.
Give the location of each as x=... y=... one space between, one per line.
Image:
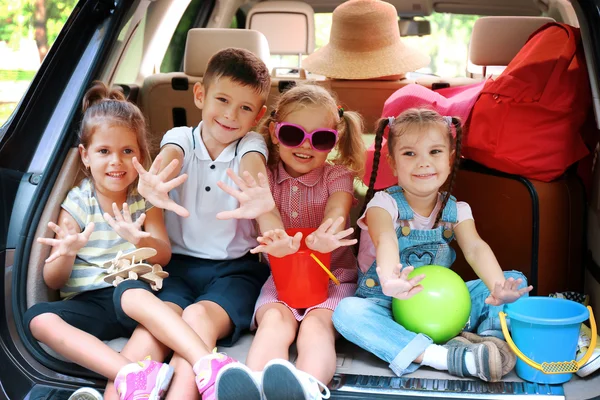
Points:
x=547 y=230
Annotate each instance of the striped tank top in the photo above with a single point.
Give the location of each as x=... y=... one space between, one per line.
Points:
x=104 y=244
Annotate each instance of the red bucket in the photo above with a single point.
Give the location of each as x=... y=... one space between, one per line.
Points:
x=300 y=281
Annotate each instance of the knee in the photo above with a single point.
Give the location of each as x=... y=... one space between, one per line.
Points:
x=316 y=328
x=42 y=325
x=195 y=312
x=347 y=312
x=131 y=300
x=274 y=320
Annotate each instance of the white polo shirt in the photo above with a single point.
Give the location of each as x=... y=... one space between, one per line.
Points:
x=201 y=234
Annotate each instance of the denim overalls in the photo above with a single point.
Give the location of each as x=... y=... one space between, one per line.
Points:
x=366 y=319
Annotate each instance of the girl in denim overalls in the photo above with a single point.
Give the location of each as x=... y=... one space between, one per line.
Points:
x=411 y=225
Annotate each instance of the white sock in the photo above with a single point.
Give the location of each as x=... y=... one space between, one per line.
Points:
x=436 y=356
x=470 y=361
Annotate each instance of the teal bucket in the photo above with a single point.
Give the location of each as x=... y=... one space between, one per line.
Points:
x=545 y=329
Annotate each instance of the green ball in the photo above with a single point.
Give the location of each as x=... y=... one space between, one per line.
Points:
x=440 y=310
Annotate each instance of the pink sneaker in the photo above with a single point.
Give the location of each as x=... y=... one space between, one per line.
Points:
x=145 y=379
x=206 y=370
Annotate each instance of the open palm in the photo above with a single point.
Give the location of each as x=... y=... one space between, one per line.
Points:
x=278 y=243
x=255 y=198
x=155 y=188
x=125 y=227
x=325 y=239
x=507 y=292
x=67 y=241
x=397 y=283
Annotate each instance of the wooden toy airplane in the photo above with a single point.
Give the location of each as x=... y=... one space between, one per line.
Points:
x=132 y=266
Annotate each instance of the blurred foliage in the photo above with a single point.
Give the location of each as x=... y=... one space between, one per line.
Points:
x=17 y=19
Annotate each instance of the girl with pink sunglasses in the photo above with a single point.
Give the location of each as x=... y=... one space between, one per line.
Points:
x=315 y=153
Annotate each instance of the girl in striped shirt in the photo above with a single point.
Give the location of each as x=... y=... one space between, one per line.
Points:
x=102 y=216
x=315 y=153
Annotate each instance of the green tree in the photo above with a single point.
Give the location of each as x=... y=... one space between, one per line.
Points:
x=39 y=19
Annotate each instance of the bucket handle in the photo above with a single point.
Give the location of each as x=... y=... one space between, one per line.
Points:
x=558 y=367
x=333 y=278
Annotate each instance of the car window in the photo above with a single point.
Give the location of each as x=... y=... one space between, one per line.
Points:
x=27 y=31
x=447 y=44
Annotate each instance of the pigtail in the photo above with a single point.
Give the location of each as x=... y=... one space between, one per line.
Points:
x=351 y=148
x=100 y=92
x=381 y=125
x=455 y=165
x=263 y=129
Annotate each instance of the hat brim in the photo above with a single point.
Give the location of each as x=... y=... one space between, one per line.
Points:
x=397 y=59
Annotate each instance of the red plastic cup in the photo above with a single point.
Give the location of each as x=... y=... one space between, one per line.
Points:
x=300 y=281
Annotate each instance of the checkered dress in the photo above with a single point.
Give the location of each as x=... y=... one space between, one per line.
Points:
x=301 y=202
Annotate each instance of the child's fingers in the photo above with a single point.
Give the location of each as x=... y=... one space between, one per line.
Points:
x=229 y=190
x=52 y=257
x=155 y=167
x=173 y=183
x=296 y=240
x=56 y=229
x=325 y=225
x=169 y=169
x=144 y=234
x=336 y=224
x=258 y=249
x=405 y=271
x=177 y=209
x=89 y=229
x=140 y=221
x=249 y=179
x=414 y=281
x=48 y=241
x=138 y=167
x=126 y=213
x=347 y=242
x=116 y=213
x=224 y=215
x=262 y=180
x=109 y=220
x=525 y=290
x=344 y=233
x=236 y=179
x=69 y=226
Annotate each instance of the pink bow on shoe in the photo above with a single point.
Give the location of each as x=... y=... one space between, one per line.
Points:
x=206 y=370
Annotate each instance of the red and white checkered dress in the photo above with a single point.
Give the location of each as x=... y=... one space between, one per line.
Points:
x=301 y=202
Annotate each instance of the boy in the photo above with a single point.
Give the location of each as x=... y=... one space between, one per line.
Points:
x=213 y=277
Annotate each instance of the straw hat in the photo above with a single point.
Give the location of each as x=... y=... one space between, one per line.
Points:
x=365 y=43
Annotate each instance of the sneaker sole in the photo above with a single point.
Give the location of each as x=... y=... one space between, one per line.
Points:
x=236 y=384
x=589 y=367
x=280 y=383
x=163 y=380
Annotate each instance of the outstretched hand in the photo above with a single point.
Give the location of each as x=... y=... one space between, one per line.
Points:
x=67 y=241
x=325 y=240
x=155 y=188
x=507 y=292
x=397 y=283
x=278 y=243
x=124 y=225
x=255 y=198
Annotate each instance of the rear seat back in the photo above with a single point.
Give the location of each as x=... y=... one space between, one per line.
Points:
x=167 y=99
x=495 y=41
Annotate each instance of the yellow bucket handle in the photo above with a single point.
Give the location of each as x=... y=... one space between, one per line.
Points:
x=333 y=278
x=559 y=367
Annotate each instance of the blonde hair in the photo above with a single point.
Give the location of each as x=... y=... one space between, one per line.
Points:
x=350 y=146
x=102 y=105
x=415 y=119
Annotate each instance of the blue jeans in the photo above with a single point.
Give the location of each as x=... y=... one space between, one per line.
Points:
x=368 y=323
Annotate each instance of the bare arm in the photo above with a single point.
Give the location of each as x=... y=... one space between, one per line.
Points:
x=382 y=233
x=481 y=258
x=67 y=241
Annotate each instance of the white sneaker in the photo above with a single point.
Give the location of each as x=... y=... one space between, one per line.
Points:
x=281 y=380
x=236 y=381
x=583 y=344
x=86 y=393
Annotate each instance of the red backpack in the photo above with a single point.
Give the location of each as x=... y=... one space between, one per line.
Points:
x=528 y=120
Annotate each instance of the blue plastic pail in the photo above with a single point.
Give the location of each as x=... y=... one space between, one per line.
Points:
x=545 y=329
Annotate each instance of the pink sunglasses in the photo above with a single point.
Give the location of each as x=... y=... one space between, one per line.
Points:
x=292 y=135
